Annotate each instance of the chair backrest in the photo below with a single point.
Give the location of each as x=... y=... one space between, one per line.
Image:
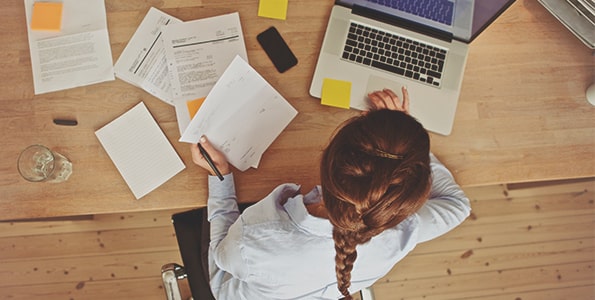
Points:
x=192 y=232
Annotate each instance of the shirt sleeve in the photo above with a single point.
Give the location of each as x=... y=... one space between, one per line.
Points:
x=223 y=211
x=222 y=206
x=447 y=207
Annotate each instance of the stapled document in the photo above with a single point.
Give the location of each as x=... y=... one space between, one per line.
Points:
x=143 y=63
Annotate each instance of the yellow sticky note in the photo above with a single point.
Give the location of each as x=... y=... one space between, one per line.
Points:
x=46 y=16
x=194 y=105
x=336 y=93
x=275 y=9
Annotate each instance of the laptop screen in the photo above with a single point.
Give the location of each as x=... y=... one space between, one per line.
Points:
x=485 y=12
x=464 y=19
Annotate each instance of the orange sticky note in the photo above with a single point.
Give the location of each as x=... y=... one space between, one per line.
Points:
x=46 y=16
x=336 y=93
x=194 y=105
x=276 y=9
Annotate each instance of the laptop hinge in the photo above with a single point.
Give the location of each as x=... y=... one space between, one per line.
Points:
x=400 y=22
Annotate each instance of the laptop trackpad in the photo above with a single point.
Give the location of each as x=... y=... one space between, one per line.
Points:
x=359 y=99
x=377 y=83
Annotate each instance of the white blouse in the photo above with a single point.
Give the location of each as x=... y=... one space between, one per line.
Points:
x=276 y=250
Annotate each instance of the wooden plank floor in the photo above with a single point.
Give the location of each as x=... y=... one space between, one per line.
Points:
x=522 y=242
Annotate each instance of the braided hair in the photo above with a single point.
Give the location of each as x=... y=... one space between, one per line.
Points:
x=375 y=173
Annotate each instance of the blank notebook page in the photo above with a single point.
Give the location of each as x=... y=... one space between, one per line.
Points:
x=140 y=150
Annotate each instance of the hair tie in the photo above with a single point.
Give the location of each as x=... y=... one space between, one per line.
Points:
x=384 y=154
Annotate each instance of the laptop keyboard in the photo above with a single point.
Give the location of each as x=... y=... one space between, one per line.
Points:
x=393 y=53
x=440 y=11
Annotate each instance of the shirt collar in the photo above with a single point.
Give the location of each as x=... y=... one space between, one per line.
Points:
x=296 y=209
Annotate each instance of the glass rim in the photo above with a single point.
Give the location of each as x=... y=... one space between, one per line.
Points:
x=25 y=150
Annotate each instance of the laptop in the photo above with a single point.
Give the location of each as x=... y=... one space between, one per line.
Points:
x=576 y=15
x=420 y=44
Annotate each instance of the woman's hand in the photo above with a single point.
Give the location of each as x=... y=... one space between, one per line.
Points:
x=387 y=99
x=217 y=157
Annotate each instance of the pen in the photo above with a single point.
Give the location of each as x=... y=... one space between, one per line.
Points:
x=65 y=122
x=207 y=157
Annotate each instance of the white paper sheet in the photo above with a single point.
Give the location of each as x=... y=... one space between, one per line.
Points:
x=139 y=149
x=197 y=53
x=242 y=115
x=78 y=55
x=143 y=62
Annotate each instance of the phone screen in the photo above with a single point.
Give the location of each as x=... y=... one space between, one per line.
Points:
x=276 y=49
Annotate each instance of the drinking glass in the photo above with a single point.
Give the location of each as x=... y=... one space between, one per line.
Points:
x=37 y=163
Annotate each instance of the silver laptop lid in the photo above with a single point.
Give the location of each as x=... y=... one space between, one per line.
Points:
x=463 y=19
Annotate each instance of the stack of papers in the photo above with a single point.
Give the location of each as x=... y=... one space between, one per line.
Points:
x=201 y=68
x=179 y=62
x=242 y=115
x=182 y=63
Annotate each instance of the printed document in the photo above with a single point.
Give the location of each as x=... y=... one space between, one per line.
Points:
x=197 y=53
x=140 y=150
x=79 y=54
x=241 y=116
x=143 y=63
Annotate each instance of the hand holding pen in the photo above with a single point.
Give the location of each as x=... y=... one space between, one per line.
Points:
x=209 y=158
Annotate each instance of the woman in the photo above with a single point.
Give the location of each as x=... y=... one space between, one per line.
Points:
x=381 y=193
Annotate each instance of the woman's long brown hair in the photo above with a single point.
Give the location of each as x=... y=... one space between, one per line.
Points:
x=375 y=173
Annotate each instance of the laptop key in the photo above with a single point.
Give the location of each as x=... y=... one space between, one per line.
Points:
x=388 y=68
x=434 y=74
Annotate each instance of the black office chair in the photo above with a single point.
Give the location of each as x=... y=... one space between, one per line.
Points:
x=191 y=280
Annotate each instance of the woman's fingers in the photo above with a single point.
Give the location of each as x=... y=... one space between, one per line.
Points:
x=381 y=100
x=216 y=156
x=387 y=99
x=196 y=156
x=393 y=98
x=405 y=99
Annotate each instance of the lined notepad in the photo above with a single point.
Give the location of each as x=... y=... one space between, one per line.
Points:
x=140 y=150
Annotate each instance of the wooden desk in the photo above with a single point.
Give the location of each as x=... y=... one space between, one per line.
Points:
x=522 y=114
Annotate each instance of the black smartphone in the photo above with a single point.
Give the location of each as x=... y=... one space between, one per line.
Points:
x=276 y=49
